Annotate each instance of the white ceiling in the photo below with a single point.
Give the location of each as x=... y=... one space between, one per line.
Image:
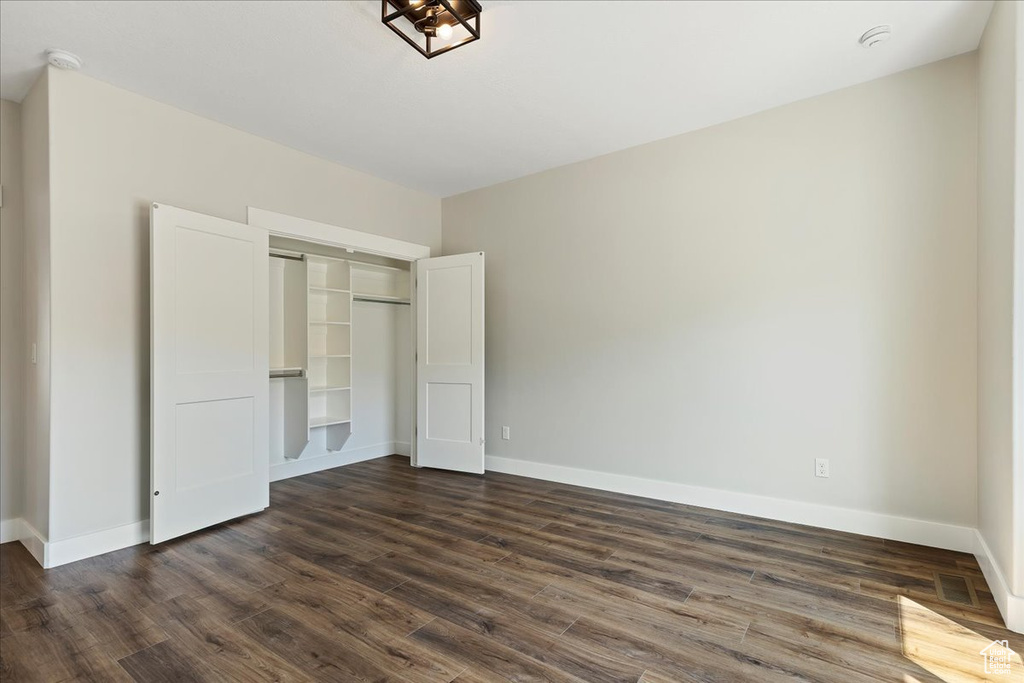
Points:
x=550 y=83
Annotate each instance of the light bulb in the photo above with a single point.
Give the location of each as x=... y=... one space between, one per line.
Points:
x=444 y=31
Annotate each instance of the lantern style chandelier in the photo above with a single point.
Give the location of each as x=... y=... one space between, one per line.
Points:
x=433 y=27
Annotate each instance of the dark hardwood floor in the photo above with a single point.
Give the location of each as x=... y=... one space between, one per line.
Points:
x=381 y=572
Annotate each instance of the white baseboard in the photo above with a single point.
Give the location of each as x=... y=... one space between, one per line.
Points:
x=300 y=466
x=55 y=553
x=934 y=534
x=12 y=530
x=1011 y=606
x=51 y=554
x=34 y=542
x=96 y=543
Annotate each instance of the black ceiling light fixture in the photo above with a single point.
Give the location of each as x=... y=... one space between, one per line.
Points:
x=433 y=27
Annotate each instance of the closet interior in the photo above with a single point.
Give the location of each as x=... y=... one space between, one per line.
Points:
x=340 y=352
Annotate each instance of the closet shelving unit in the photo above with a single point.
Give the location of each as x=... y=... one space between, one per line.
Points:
x=378 y=283
x=311 y=343
x=330 y=344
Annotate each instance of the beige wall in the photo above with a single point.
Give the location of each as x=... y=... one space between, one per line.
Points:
x=35 y=131
x=115 y=152
x=722 y=307
x=12 y=316
x=1018 y=221
x=998 y=121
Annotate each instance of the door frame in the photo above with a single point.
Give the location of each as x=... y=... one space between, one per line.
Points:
x=293 y=227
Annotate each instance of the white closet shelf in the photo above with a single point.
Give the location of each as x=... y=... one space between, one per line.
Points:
x=330 y=289
x=375 y=266
x=325 y=322
x=327 y=421
x=333 y=355
x=323 y=389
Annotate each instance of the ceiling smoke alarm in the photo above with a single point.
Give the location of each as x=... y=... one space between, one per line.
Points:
x=62 y=59
x=876 y=35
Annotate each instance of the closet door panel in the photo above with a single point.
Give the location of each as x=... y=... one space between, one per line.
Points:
x=450 y=362
x=210 y=360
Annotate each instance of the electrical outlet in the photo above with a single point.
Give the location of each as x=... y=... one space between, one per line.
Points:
x=821 y=467
x=33 y=354
x=505 y=433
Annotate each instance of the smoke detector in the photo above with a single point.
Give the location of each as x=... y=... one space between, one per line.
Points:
x=62 y=59
x=876 y=35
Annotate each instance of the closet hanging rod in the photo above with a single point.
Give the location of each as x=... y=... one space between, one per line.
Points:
x=290 y=257
x=286 y=373
x=374 y=300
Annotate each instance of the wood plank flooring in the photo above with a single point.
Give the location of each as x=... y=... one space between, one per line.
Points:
x=381 y=572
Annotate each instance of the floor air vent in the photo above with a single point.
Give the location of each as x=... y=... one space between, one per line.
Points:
x=956 y=589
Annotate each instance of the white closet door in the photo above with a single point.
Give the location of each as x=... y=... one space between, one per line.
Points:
x=450 y=362
x=209 y=298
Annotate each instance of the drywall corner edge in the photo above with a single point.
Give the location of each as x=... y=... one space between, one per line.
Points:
x=1017 y=401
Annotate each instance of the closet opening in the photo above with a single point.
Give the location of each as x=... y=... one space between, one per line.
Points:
x=341 y=356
